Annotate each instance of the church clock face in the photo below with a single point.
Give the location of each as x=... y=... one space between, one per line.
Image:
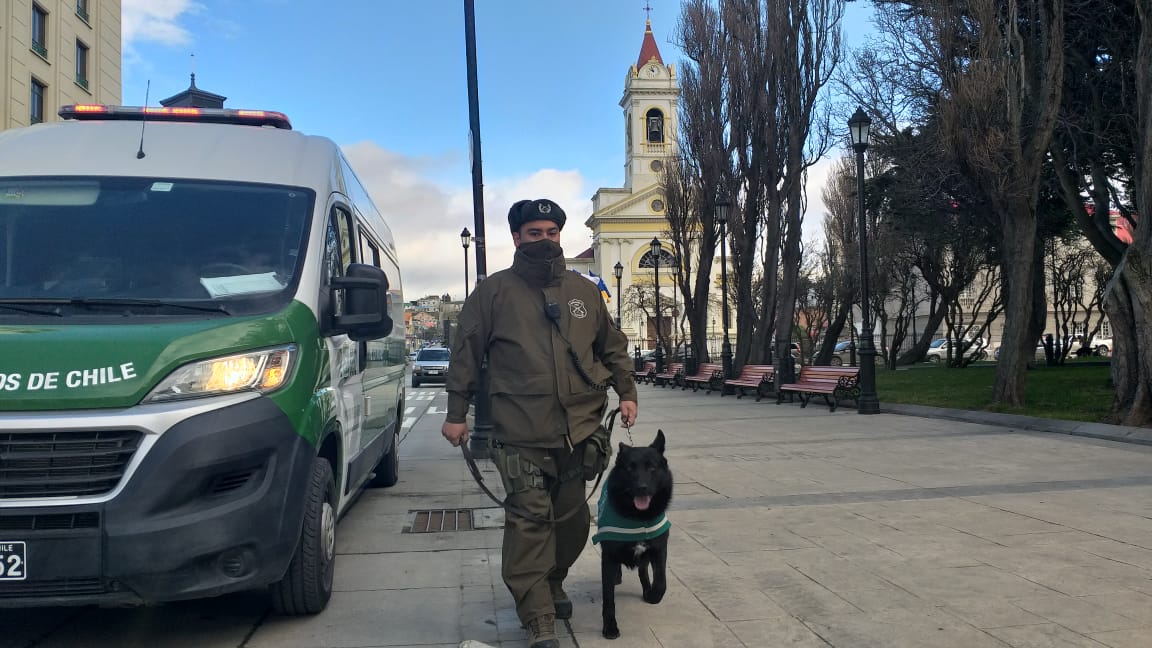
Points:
x=651 y=70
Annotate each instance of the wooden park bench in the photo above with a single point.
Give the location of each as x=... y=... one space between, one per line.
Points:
x=646 y=374
x=758 y=377
x=834 y=382
x=673 y=374
x=708 y=375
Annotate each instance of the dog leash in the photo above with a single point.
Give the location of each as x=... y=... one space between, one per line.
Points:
x=512 y=508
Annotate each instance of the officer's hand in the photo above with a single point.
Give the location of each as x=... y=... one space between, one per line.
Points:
x=456 y=433
x=628 y=413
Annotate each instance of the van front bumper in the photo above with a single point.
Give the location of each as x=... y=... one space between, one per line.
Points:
x=214 y=506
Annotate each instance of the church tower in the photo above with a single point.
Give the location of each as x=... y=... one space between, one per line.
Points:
x=625 y=219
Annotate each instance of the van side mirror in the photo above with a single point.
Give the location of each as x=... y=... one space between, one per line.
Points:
x=366 y=315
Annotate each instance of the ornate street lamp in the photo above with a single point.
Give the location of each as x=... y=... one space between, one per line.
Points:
x=658 y=356
x=618 y=270
x=869 y=403
x=722 y=206
x=465 y=239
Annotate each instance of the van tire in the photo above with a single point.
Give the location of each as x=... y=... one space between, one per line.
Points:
x=835 y=361
x=388 y=470
x=307 y=585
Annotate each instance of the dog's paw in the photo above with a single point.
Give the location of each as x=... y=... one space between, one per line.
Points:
x=653 y=596
x=611 y=631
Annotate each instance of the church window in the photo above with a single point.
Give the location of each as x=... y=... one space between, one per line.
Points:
x=657 y=205
x=657 y=166
x=666 y=260
x=654 y=126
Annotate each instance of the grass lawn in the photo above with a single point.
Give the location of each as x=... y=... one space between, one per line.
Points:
x=1073 y=392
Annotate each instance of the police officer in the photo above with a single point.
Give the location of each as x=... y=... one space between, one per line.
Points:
x=553 y=352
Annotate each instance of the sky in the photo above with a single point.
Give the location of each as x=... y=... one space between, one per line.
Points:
x=387 y=81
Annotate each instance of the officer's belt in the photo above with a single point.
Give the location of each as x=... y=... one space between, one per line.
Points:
x=512 y=508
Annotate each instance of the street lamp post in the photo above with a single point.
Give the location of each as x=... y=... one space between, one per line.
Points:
x=869 y=403
x=658 y=355
x=618 y=270
x=722 y=206
x=465 y=239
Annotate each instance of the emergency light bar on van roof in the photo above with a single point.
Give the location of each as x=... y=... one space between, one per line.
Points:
x=202 y=115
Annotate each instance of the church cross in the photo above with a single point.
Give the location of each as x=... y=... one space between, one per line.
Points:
x=647 y=10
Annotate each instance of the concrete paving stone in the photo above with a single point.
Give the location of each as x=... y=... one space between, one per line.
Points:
x=739 y=604
x=1081 y=615
x=1120 y=552
x=839 y=575
x=783 y=632
x=216 y=623
x=371 y=618
x=888 y=597
x=989 y=612
x=992 y=523
x=810 y=600
x=401 y=571
x=1066 y=537
x=1134 y=605
x=635 y=638
x=856 y=548
x=1046 y=635
x=919 y=628
x=702 y=635
x=1134 y=638
x=942 y=585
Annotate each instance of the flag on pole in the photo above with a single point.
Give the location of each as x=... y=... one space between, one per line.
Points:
x=599 y=281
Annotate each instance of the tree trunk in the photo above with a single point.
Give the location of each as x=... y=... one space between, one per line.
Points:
x=1129 y=303
x=1017 y=345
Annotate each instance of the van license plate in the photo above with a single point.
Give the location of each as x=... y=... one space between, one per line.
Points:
x=434 y=372
x=13 y=561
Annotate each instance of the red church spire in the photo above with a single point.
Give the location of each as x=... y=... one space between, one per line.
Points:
x=648 y=50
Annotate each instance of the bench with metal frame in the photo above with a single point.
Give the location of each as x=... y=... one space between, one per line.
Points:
x=833 y=383
x=708 y=375
x=647 y=374
x=762 y=378
x=673 y=375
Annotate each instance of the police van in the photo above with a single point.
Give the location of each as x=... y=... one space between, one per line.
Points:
x=200 y=363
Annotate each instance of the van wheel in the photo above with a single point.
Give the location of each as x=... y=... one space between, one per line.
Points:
x=836 y=362
x=307 y=586
x=388 y=470
x=934 y=359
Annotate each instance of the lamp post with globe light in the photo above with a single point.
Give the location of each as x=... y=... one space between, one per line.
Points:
x=868 y=403
x=618 y=271
x=722 y=206
x=465 y=239
x=658 y=355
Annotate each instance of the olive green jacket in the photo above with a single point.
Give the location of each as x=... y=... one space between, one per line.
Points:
x=538 y=396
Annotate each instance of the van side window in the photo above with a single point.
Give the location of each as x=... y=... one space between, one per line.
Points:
x=369 y=253
x=337 y=252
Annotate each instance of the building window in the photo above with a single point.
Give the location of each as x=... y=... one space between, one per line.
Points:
x=666 y=260
x=81 y=65
x=82 y=10
x=657 y=166
x=39 y=31
x=657 y=206
x=37 y=102
x=1106 y=329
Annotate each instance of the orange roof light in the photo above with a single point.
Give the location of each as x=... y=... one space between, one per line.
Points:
x=177 y=113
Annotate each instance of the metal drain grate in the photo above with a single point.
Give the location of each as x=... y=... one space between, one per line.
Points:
x=439 y=521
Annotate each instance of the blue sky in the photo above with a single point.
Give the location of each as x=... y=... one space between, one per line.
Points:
x=386 y=79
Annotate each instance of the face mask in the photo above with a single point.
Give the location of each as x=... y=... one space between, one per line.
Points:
x=546 y=249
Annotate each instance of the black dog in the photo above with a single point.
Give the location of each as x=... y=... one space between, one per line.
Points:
x=632 y=529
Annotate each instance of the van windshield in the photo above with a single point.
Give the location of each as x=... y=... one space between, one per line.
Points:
x=161 y=246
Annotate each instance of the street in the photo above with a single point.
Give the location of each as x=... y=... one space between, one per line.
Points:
x=791 y=526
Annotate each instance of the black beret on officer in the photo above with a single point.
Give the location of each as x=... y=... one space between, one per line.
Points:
x=526 y=211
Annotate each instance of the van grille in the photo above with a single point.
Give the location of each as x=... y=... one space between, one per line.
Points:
x=64 y=464
x=50 y=522
x=58 y=587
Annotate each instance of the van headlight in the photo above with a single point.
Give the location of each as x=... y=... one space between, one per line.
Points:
x=260 y=371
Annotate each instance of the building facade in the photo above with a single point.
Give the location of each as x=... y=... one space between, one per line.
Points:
x=54 y=53
x=625 y=219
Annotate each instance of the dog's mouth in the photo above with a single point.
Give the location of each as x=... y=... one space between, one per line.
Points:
x=642 y=502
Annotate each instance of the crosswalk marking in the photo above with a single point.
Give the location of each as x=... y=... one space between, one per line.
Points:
x=408 y=421
x=409 y=410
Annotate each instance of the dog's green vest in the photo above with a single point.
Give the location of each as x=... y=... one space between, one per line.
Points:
x=610 y=525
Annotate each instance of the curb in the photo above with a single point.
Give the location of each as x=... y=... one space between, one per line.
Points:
x=1122 y=433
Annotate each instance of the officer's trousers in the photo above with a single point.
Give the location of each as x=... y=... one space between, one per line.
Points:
x=535 y=553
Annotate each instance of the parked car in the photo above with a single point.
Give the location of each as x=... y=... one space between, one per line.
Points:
x=841 y=353
x=431 y=365
x=939 y=348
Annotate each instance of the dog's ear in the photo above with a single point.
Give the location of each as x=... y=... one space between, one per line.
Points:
x=624 y=448
x=659 y=442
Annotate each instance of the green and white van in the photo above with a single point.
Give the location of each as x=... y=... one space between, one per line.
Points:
x=199 y=367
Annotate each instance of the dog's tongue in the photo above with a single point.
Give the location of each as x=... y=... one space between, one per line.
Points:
x=641 y=503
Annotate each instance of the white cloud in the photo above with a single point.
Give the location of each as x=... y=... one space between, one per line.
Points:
x=818 y=175
x=426 y=217
x=156 y=21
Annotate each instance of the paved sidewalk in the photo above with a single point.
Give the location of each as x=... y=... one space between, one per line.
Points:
x=791 y=527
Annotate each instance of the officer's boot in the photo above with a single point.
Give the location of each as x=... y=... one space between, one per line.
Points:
x=560 y=600
x=542 y=632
